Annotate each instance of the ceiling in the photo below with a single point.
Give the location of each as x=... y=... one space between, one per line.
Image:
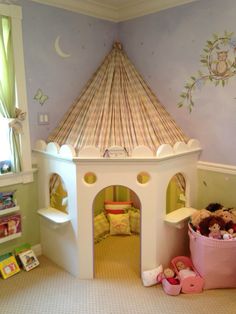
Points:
x=115 y=10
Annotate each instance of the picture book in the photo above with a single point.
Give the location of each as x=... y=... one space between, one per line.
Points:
x=9 y=225
x=20 y=249
x=28 y=260
x=6 y=200
x=9 y=267
x=5 y=256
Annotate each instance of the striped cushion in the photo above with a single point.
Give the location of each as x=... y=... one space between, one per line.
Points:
x=101 y=227
x=134 y=220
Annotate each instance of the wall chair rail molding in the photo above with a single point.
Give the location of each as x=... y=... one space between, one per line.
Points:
x=221 y=168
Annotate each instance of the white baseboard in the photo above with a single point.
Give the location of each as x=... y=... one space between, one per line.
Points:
x=37 y=249
x=221 y=168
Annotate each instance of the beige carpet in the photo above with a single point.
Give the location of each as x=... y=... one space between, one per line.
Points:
x=117 y=289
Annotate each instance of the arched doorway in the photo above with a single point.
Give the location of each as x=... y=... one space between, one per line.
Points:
x=117 y=233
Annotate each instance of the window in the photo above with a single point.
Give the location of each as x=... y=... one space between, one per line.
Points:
x=5 y=151
x=14 y=127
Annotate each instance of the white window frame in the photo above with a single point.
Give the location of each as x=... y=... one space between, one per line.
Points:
x=26 y=175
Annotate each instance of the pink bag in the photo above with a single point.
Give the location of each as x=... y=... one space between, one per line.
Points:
x=215 y=260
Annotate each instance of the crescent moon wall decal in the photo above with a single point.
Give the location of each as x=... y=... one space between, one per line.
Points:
x=59 y=50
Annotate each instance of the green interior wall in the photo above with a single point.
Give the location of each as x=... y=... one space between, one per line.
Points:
x=57 y=196
x=216 y=187
x=173 y=200
x=111 y=193
x=27 y=198
x=121 y=193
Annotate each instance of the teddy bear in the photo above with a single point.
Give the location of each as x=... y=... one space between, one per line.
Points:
x=212 y=227
x=197 y=217
x=230 y=221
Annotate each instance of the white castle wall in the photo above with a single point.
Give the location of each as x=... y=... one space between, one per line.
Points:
x=71 y=245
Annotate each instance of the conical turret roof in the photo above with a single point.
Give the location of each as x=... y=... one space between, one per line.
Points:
x=117 y=108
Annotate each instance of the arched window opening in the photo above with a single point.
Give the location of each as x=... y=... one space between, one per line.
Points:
x=58 y=193
x=175 y=194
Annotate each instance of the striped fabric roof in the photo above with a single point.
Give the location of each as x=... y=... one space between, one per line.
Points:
x=117 y=108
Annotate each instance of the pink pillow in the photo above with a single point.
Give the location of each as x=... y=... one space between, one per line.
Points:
x=115 y=211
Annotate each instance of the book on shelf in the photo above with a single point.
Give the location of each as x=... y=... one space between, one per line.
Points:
x=7 y=200
x=9 y=225
x=9 y=267
x=28 y=260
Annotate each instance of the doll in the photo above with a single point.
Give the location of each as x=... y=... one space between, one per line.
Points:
x=169 y=275
x=212 y=227
x=184 y=271
x=197 y=217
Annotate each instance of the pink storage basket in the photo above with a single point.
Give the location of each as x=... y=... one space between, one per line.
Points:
x=189 y=284
x=169 y=288
x=215 y=260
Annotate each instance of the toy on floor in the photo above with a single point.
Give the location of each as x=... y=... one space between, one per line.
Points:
x=190 y=280
x=213 y=260
x=169 y=275
x=149 y=277
x=170 y=282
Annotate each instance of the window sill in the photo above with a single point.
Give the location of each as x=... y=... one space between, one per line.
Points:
x=17 y=178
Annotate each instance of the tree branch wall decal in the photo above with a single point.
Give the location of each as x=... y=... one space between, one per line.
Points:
x=219 y=59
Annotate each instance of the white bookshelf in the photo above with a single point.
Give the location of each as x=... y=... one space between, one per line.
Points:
x=9 y=210
x=10 y=237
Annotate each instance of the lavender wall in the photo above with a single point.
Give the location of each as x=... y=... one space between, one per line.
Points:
x=166 y=47
x=85 y=38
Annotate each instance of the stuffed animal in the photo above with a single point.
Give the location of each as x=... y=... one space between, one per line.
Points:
x=197 y=217
x=212 y=207
x=227 y=236
x=229 y=219
x=212 y=227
